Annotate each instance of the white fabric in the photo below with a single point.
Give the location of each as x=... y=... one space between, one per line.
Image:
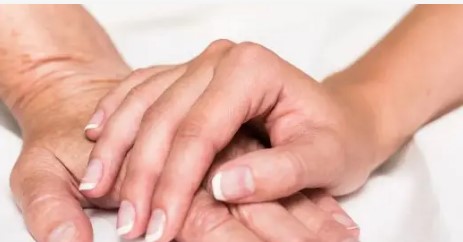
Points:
x=413 y=198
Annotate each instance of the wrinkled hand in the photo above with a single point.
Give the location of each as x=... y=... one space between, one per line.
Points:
x=319 y=138
x=53 y=159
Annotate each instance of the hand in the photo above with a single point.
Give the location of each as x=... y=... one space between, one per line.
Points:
x=306 y=216
x=115 y=125
x=52 y=162
x=319 y=139
x=50 y=81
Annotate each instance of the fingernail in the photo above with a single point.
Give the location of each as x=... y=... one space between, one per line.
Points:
x=233 y=184
x=156 y=226
x=64 y=233
x=125 y=218
x=92 y=175
x=95 y=120
x=346 y=221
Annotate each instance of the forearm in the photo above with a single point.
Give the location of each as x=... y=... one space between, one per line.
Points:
x=49 y=52
x=411 y=77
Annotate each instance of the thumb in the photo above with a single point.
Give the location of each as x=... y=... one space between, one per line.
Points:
x=278 y=172
x=45 y=194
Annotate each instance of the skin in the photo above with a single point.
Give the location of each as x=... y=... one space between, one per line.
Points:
x=330 y=135
x=160 y=78
x=52 y=75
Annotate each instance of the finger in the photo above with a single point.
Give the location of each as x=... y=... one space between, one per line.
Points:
x=316 y=220
x=155 y=135
x=327 y=203
x=47 y=199
x=111 y=101
x=277 y=172
x=272 y=222
x=200 y=137
x=210 y=221
x=120 y=131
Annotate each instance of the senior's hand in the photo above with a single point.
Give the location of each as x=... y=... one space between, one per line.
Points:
x=53 y=159
x=318 y=138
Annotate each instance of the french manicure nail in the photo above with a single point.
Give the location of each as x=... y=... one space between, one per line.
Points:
x=92 y=175
x=345 y=220
x=95 y=120
x=64 y=233
x=234 y=183
x=125 y=218
x=156 y=226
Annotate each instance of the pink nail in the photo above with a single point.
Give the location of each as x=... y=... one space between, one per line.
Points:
x=235 y=183
x=95 y=120
x=156 y=226
x=346 y=221
x=125 y=218
x=92 y=176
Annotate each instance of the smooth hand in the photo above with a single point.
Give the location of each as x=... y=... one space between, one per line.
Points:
x=171 y=122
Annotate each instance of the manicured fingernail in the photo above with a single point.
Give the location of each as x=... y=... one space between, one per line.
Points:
x=233 y=184
x=125 y=218
x=92 y=176
x=156 y=226
x=95 y=120
x=345 y=220
x=63 y=233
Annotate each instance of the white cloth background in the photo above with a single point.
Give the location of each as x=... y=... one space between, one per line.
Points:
x=413 y=198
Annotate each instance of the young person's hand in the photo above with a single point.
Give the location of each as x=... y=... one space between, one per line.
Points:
x=329 y=135
x=171 y=122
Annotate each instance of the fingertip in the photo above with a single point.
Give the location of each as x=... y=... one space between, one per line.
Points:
x=96 y=120
x=233 y=184
x=63 y=221
x=92 y=178
x=156 y=226
x=216 y=187
x=92 y=133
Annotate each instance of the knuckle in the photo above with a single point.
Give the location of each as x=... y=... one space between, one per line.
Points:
x=205 y=216
x=113 y=138
x=193 y=131
x=247 y=53
x=220 y=44
x=193 y=127
x=140 y=171
x=190 y=129
x=154 y=114
x=295 y=166
x=245 y=213
x=137 y=96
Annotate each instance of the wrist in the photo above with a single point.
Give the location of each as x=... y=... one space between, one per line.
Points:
x=380 y=123
x=65 y=92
